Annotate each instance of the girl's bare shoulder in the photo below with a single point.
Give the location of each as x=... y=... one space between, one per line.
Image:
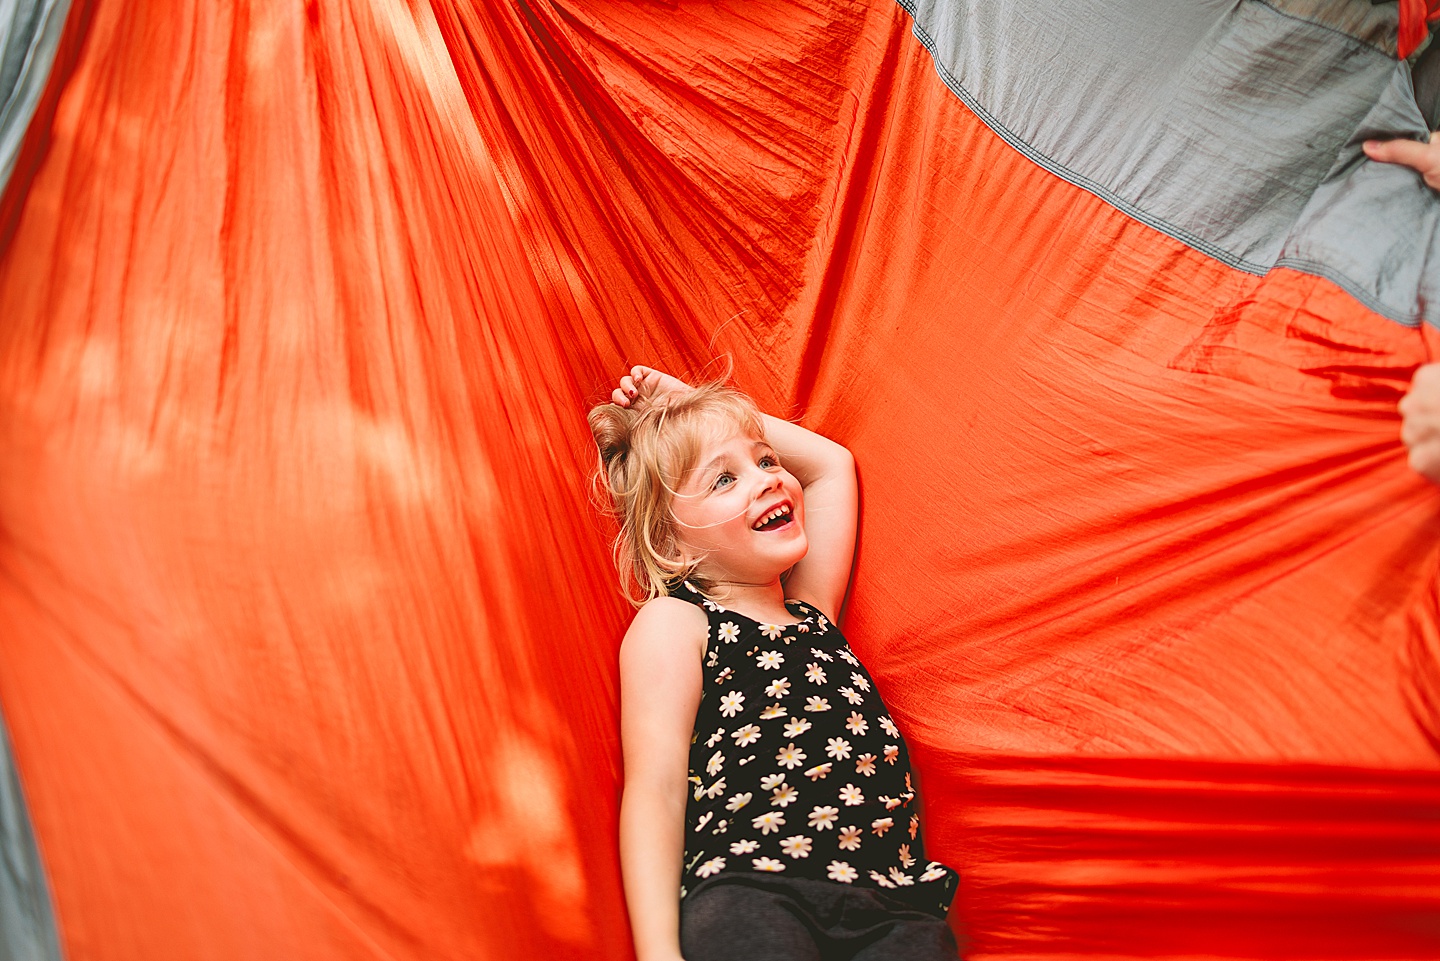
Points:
x=666 y=626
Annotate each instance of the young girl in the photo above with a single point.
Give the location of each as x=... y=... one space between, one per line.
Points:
x=764 y=780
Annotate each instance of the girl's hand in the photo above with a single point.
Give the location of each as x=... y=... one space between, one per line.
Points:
x=644 y=385
x=1423 y=158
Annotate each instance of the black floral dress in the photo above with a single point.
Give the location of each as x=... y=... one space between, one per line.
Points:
x=796 y=767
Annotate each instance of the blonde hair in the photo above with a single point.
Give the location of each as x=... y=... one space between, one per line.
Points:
x=644 y=455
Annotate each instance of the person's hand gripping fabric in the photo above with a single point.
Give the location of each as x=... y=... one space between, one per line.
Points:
x=1420 y=427
x=1423 y=158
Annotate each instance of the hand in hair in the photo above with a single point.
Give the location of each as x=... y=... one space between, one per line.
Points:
x=645 y=385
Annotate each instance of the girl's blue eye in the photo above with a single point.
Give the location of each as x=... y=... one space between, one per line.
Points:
x=723 y=481
x=768 y=461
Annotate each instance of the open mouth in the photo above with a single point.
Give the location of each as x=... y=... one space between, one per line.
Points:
x=777 y=518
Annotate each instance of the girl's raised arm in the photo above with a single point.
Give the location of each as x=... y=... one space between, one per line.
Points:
x=660 y=688
x=826 y=472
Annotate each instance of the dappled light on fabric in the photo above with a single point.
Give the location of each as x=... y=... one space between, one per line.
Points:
x=310 y=619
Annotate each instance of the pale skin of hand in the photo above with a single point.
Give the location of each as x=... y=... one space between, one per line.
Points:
x=1420 y=428
x=661 y=675
x=1423 y=158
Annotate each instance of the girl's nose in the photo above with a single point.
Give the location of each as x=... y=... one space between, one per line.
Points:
x=769 y=481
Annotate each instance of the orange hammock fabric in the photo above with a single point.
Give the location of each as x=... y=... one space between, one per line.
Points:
x=310 y=628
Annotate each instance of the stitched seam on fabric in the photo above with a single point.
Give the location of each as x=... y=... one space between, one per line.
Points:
x=1389 y=55
x=1065 y=173
x=1317 y=269
x=1198 y=244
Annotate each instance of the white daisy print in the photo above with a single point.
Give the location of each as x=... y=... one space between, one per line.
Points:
x=842 y=872
x=914 y=825
x=716 y=762
x=819 y=771
x=721 y=826
x=770 y=660
x=851 y=695
x=783 y=795
x=852 y=795
x=859 y=681
x=771 y=780
x=744 y=847
x=790 y=756
x=816 y=704
x=715 y=738
x=865 y=765
x=891 y=803
x=731 y=703
x=778 y=688
x=881 y=879
x=892 y=753
x=736 y=803
x=821 y=654
x=712 y=658
x=712 y=866
x=716 y=789
x=797 y=846
x=746 y=735
x=857 y=725
x=815 y=673
x=710 y=605
x=704 y=820
x=821 y=621
x=772 y=712
x=725 y=675
x=906 y=861
x=769 y=823
x=797 y=726
x=836 y=747
x=849 y=839
x=847 y=657
x=900 y=877
x=823 y=817
x=771 y=631
x=888 y=726
x=729 y=632
x=767 y=864
x=881 y=825
x=933 y=871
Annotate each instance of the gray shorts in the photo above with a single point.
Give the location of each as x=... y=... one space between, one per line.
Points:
x=760 y=917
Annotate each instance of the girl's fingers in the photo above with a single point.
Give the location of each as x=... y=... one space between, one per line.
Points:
x=619 y=398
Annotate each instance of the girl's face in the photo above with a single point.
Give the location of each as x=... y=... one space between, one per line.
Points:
x=740 y=512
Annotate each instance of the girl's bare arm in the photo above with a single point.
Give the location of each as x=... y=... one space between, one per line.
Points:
x=826 y=471
x=660 y=688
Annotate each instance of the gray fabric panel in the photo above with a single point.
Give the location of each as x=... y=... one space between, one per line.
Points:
x=29 y=36
x=1373 y=228
x=27 y=924
x=1214 y=121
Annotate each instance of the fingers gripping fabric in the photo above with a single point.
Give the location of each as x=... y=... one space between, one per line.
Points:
x=310 y=629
